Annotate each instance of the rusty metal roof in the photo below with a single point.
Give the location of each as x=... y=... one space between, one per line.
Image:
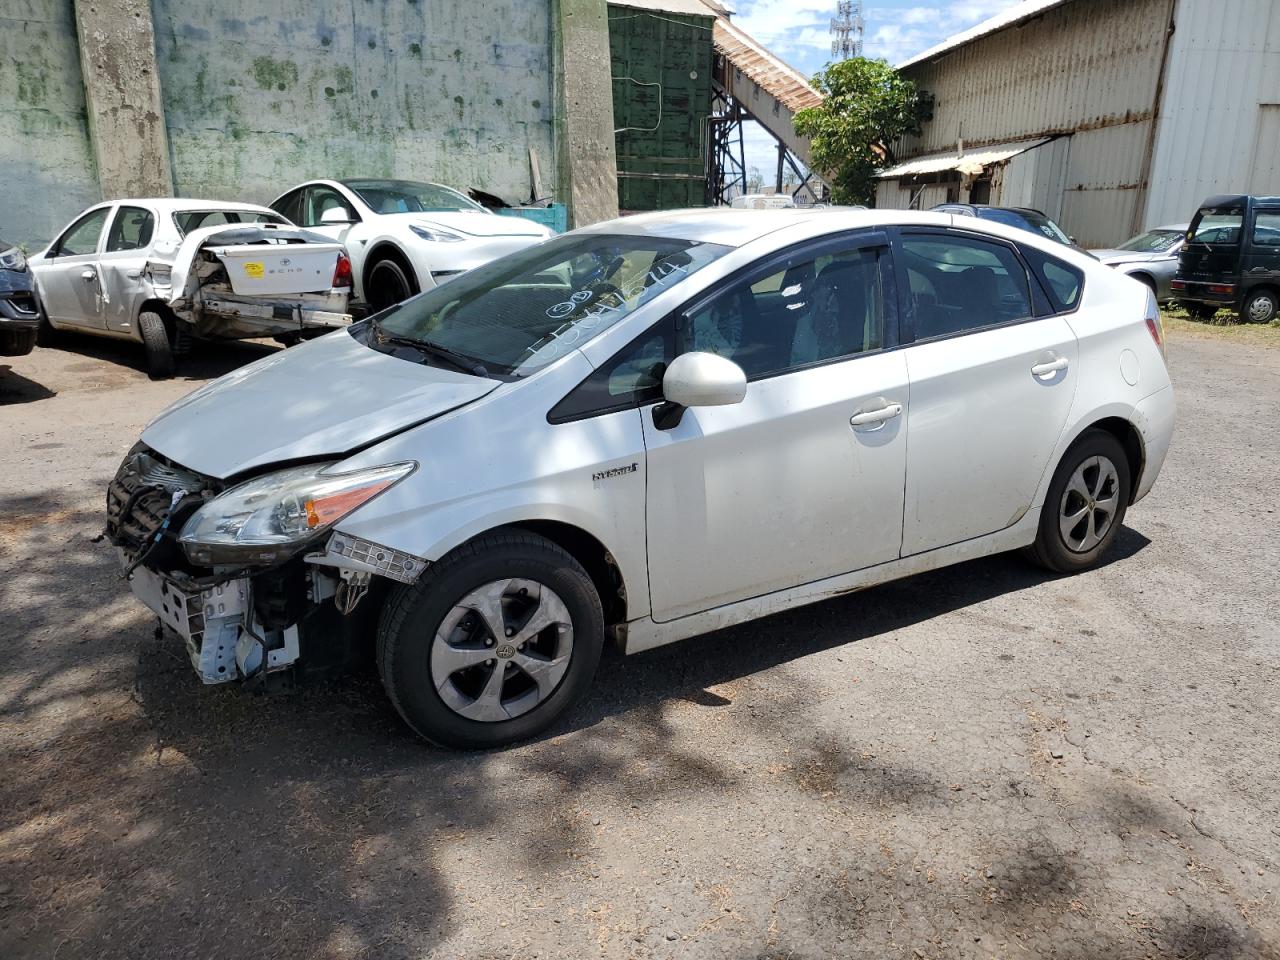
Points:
x=784 y=83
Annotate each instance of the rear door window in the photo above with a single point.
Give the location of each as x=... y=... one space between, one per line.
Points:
x=1063 y=283
x=957 y=284
x=131 y=229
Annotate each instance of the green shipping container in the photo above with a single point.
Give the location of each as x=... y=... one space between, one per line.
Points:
x=662 y=66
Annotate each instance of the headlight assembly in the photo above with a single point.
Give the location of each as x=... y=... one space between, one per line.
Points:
x=272 y=517
x=438 y=234
x=13 y=259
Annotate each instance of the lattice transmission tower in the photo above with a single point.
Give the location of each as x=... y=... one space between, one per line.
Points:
x=846 y=30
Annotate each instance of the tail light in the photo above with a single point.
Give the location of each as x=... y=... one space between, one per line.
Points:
x=1227 y=288
x=1178 y=284
x=1154 y=326
x=342 y=272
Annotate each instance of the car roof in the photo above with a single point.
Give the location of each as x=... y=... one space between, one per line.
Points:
x=178 y=204
x=734 y=226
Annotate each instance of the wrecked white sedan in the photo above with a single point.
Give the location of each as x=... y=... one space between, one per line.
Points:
x=646 y=430
x=165 y=271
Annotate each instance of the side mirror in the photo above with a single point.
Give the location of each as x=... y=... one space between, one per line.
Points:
x=698 y=380
x=335 y=215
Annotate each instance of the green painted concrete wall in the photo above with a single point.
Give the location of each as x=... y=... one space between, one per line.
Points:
x=45 y=156
x=258 y=97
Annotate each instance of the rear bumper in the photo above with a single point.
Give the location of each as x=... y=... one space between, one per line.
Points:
x=1154 y=418
x=1202 y=291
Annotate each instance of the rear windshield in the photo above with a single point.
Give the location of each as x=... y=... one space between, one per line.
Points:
x=521 y=312
x=1217 y=227
x=188 y=220
x=1025 y=220
x=1153 y=241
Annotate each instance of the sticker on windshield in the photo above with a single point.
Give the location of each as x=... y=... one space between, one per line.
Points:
x=254 y=270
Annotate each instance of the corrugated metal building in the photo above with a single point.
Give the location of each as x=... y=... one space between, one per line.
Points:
x=1109 y=115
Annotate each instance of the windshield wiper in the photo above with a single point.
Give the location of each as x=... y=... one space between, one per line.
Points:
x=459 y=361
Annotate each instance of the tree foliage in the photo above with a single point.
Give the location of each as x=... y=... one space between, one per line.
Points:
x=868 y=105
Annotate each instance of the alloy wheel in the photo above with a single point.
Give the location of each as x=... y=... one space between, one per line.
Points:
x=501 y=650
x=1262 y=309
x=1089 y=504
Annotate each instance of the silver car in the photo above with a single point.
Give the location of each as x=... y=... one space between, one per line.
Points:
x=1151 y=257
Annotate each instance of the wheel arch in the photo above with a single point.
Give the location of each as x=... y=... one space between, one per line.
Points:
x=589 y=551
x=1130 y=438
x=382 y=250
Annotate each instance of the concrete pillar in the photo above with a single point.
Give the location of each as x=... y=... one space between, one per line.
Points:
x=587 y=168
x=122 y=97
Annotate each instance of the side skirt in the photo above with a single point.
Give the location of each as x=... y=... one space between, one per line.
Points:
x=646 y=633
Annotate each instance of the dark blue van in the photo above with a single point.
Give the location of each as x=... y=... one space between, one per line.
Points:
x=1232 y=259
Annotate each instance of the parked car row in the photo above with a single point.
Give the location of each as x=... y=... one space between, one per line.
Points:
x=164 y=272
x=1227 y=257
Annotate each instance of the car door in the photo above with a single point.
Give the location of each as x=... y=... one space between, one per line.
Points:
x=991 y=385
x=120 y=265
x=68 y=273
x=1261 y=261
x=803 y=479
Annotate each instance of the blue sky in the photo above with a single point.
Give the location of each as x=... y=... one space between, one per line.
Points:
x=798 y=32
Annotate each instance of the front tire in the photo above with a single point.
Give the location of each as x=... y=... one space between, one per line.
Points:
x=155 y=341
x=493 y=643
x=390 y=282
x=1085 y=506
x=1261 y=306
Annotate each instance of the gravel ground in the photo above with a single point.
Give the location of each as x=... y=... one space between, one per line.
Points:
x=980 y=762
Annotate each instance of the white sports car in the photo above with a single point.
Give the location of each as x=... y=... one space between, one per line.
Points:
x=647 y=429
x=405 y=236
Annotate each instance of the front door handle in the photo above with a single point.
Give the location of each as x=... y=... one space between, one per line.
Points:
x=87 y=275
x=1050 y=368
x=872 y=418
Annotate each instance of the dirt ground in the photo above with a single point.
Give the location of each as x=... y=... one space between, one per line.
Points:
x=981 y=762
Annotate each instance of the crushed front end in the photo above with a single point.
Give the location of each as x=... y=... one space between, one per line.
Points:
x=245 y=609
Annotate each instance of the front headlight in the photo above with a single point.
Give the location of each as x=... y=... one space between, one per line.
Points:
x=272 y=517
x=13 y=259
x=437 y=234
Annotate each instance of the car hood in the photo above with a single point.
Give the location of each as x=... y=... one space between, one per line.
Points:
x=324 y=398
x=1114 y=257
x=475 y=223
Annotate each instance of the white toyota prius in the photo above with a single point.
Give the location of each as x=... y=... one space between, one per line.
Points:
x=644 y=430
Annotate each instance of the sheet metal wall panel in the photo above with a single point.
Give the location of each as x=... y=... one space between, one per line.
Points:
x=1224 y=66
x=1085 y=64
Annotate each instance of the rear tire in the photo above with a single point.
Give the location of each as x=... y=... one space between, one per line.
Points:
x=459 y=684
x=1261 y=306
x=1085 y=506
x=155 y=341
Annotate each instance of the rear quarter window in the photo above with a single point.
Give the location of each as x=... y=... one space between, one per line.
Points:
x=1063 y=283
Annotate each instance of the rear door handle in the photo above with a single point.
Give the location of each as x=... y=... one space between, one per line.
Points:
x=871 y=418
x=1050 y=368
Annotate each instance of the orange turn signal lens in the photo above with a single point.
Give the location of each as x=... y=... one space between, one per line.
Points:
x=323 y=510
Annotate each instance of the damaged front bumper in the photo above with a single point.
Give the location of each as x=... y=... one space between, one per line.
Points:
x=216 y=624
x=242 y=623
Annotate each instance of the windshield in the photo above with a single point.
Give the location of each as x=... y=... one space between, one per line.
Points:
x=188 y=220
x=1025 y=220
x=521 y=312
x=1217 y=227
x=1153 y=241
x=410 y=196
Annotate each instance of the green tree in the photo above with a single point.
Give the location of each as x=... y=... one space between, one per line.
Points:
x=867 y=106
